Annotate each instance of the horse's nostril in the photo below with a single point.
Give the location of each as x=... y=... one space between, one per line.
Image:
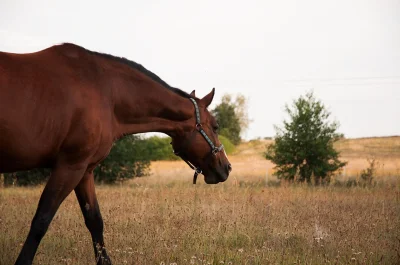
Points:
x=229 y=167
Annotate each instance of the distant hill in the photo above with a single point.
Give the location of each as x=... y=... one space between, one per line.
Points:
x=383 y=147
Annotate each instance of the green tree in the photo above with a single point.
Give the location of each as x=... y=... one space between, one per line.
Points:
x=241 y=107
x=228 y=122
x=303 y=148
x=127 y=159
x=157 y=148
x=27 y=178
x=229 y=147
x=232 y=117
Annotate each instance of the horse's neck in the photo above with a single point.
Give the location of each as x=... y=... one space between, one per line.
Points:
x=151 y=108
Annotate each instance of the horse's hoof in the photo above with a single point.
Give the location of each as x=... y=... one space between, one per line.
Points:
x=104 y=261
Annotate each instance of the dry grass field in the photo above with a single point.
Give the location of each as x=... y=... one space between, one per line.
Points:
x=250 y=219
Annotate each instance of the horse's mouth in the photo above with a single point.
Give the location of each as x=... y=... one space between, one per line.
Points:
x=216 y=177
x=211 y=181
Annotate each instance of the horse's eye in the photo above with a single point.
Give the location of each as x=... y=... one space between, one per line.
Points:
x=215 y=128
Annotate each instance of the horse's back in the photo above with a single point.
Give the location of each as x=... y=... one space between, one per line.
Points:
x=41 y=95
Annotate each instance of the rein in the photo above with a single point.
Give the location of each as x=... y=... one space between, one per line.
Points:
x=214 y=149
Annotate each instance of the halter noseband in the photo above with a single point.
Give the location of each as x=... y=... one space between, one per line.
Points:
x=214 y=149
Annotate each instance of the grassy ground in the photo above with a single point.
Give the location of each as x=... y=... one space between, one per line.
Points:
x=164 y=219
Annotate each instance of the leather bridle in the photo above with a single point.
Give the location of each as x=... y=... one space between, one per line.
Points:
x=199 y=128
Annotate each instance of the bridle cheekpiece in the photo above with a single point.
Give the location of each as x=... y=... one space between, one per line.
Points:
x=214 y=149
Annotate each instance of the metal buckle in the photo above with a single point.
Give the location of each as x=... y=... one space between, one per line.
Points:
x=215 y=151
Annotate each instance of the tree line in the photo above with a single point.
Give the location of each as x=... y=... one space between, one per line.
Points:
x=302 y=149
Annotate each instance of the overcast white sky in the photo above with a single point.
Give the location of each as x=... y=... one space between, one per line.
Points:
x=347 y=51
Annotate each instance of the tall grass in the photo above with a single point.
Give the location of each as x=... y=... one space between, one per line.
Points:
x=184 y=224
x=164 y=219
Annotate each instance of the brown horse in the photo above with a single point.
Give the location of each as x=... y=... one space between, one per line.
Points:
x=63 y=107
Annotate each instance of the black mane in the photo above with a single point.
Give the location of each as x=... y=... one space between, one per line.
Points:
x=143 y=70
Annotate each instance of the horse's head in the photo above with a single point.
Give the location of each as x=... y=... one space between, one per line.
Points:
x=198 y=144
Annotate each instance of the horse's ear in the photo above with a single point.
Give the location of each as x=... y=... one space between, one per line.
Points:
x=193 y=94
x=208 y=98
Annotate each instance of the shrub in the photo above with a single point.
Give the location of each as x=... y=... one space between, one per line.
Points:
x=228 y=145
x=125 y=161
x=27 y=178
x=368 y=174
x=304 y=146
x=157 y=148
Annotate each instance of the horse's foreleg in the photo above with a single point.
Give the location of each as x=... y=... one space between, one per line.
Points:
x=85 y=192
x=62 y=181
